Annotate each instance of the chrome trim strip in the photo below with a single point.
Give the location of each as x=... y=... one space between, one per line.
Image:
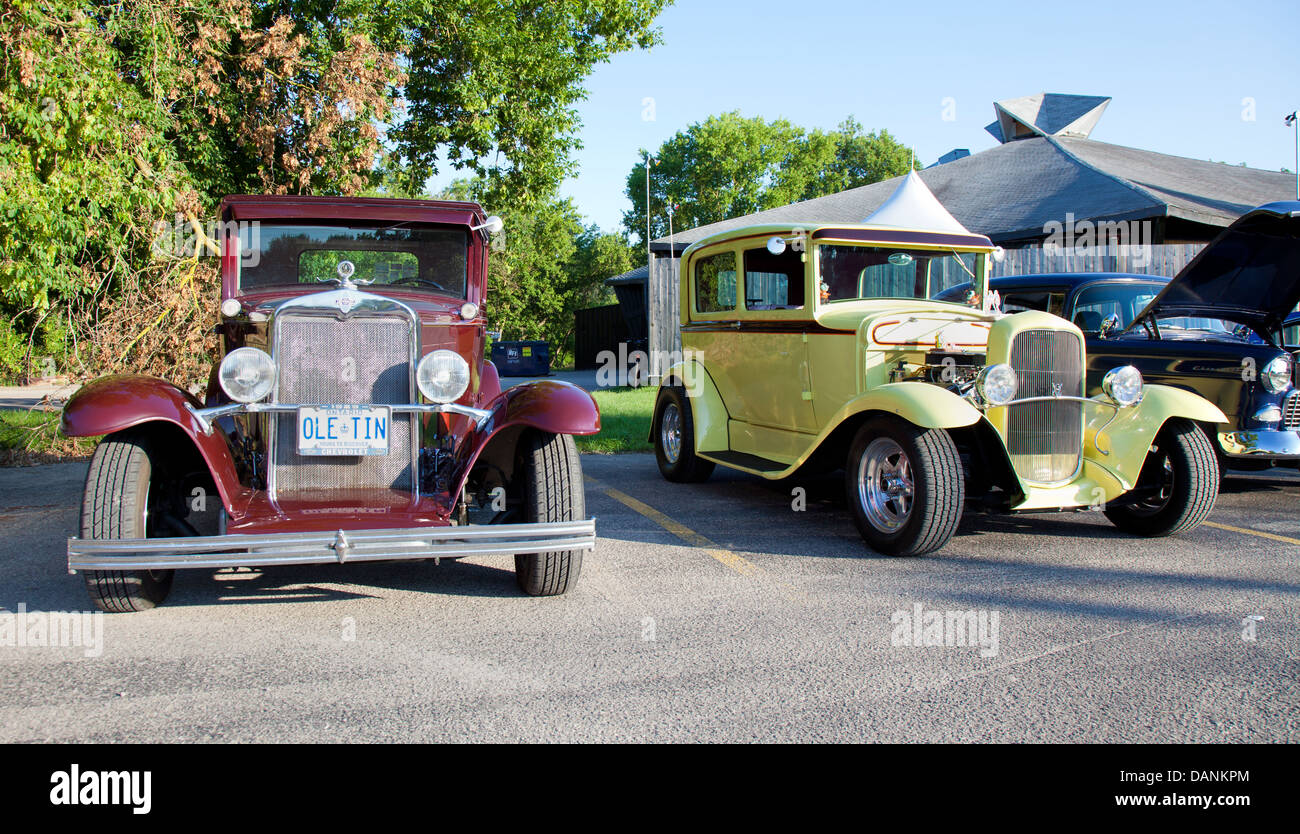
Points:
x=205 y=416
x=329 y=547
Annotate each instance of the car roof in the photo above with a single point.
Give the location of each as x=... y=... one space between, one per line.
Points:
x=1070 y=279
x=848 y=233
x=302 y=207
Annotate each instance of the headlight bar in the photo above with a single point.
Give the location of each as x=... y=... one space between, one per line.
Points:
x=206 y=416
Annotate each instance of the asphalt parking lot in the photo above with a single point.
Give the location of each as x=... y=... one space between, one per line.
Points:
x=710 y=612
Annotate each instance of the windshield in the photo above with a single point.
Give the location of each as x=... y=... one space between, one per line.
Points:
x=1125 y=301
x=420 y=257
x=852 y=272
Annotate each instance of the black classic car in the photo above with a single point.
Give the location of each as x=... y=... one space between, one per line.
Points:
x=1223 y=327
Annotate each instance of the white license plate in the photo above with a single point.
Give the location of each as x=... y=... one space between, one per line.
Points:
x=344 y=429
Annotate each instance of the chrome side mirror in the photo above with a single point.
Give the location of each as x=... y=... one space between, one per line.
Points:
x=1109 y=325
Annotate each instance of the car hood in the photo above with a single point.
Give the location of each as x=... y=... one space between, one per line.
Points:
x=1249 y=274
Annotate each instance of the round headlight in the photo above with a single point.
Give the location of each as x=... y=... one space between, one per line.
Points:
x=997 y=384
x=442 y=376
x=1123 y=385
x=246 y=375
x=1277 y=375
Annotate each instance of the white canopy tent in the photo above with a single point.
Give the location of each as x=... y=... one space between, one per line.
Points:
x=913 y=206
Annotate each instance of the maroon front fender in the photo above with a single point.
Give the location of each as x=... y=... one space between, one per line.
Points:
x=114 y=403
x=548 y=405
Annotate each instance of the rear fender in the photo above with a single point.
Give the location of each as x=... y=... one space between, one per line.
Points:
x=707 y=409
x=114 y=403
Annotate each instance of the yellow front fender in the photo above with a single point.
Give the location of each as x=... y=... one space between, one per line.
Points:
x=1118 y=442
x=924 y=405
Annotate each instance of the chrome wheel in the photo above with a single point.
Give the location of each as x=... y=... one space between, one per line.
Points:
x=670 y=433
x=885 y=485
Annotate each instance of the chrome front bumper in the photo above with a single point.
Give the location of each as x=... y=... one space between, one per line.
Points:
x=341 y=546
x=1261 y=443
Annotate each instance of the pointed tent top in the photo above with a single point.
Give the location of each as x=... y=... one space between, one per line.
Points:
x=912 y=206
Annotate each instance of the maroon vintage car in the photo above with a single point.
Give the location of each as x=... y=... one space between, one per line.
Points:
x=352 y=418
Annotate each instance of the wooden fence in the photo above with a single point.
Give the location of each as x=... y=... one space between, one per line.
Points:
x=1166 y=260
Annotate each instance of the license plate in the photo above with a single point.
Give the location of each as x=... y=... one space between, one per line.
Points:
x=345 y=430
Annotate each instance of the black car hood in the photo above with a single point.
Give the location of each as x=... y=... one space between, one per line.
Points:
x=1249 y=274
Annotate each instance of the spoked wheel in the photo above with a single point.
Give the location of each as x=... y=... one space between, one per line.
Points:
x=1177 y=487
x=885 y=486
x=905 y=487
x=127 y=497
x=674 y=438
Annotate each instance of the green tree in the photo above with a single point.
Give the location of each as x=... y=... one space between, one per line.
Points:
x=116 y=117
x=729 y=165
x=493 y=84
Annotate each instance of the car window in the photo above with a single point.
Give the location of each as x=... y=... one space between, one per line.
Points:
x=1046 y=301
x=1094 y=304
x=851 y=272
x=774 y=282
x=418 y=257
x=715 y=283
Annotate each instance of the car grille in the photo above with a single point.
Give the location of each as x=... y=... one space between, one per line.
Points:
x=1045 y=439
x=1291 y=412
x=324 y=361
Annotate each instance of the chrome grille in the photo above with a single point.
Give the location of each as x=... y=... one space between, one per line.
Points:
x=1045 y=439
x=326 y=361
x=1291 y=412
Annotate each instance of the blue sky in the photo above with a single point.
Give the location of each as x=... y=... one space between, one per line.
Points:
x=1177 y=71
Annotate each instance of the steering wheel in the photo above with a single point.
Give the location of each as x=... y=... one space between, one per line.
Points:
x=413 y=279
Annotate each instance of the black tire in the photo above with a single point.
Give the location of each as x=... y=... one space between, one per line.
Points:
x=674 y=438
x=553 y=491
x=1179 y=483
x=126 y=472
x=892 y=461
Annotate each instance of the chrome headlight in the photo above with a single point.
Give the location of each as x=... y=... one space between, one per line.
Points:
x=247 y=375
x=1123 y=385
x=1276 y=375
x=442 y=376
x=997 y=384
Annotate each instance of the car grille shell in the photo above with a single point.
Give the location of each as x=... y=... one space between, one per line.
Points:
x=1045 y=438
x=323 y=359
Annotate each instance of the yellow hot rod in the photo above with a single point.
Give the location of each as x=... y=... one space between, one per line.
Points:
x=822 y=346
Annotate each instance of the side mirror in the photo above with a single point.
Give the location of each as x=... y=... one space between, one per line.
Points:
x=1109 y=325
x=493 y=225
x=776 y=245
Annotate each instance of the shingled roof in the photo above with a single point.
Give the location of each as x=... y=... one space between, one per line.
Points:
x=1009 y=192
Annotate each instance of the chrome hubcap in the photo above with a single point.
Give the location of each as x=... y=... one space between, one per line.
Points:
x=670 y=433
x=885 y=486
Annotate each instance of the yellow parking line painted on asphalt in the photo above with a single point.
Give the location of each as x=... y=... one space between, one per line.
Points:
x=1246 y=532
x=739 y=564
